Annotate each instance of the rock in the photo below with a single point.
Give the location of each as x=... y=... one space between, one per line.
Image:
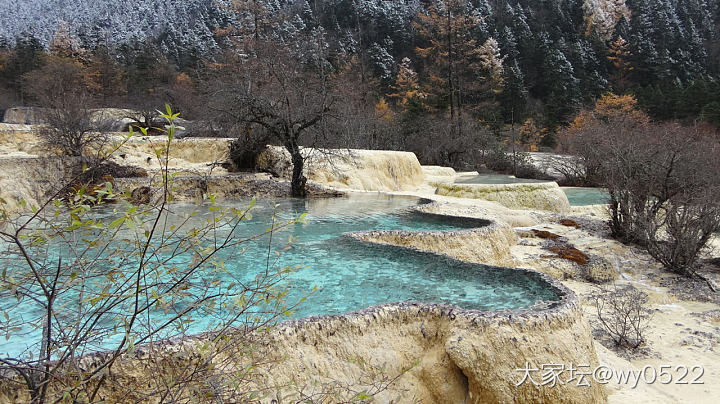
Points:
x=124 y=124
x=445 y=382
x=367 y=170
x=108 y=119
x=140 y=195
x=30 y=180
x=24 y=115
x=600 y=270
x=540 y=196
x=438 y=171
x=439 y=174
x=570 y=253
x=545 y=234
x=569 y=223
x=453 y=356
x=195 y=153
x=490 y=241
x=276 y=161
x=230 y=186
x=121 y=125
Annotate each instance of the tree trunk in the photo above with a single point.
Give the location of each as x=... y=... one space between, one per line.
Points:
x=451 y=84
x=297 y=183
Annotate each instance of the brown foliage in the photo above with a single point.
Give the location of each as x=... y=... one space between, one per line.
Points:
x=545 y=234
x=530 y=135
x=561 y=247
x=619 y=56
x=452 y=54
x=569 y=223
x=114 y=170
x=570 y=253
x=61 y=86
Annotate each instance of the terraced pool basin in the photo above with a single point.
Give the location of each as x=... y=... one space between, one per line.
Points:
x=347 y=274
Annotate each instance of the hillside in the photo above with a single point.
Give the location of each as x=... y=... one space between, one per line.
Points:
x=183 y=26
x=550 y=57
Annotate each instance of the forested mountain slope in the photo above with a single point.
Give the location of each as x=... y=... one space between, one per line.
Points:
x=551 y=56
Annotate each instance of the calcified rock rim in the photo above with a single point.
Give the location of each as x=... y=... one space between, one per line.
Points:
x=484 y=226
x=559 y=309
x=546 y=196
x=444 y=187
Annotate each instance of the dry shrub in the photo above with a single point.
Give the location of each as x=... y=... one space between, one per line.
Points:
x=114 y=170
x=623 y=313
x=95 y=178
x=569 y=223
x=70 y=127
x=664 y=191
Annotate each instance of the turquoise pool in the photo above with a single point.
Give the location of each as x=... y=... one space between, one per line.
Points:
x=348 y=274
x=576 y=195
x=586 y=196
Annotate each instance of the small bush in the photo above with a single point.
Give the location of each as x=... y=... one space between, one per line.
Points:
x=114 y=170
x=245 y=149
x=94 y=178
x=623 y=313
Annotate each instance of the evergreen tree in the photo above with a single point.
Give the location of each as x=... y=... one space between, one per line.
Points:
x=382 y=61
x=650 y=47
x=588 y=69
x=106 y=74
x=451 y=51
x=563 y=88
x=25 y=57
x=645 y=57
x=508 y=44
x=619 y=56
x=513 y=98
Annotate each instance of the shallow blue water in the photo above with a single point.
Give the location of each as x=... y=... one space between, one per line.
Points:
x=576 y=195
x=586 y=196
x=350 y=275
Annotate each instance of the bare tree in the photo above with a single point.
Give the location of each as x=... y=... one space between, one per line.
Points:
x=678 y=230
x=661 y=193
x=71 y=125
x=272 y=94
x=74 y=128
